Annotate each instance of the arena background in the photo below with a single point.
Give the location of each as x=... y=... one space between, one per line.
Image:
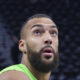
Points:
x=66 y=14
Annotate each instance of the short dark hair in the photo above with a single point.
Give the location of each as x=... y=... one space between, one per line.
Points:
x=39 y=16
x=22 y=33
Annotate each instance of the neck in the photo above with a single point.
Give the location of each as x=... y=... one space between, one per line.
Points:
x=37 y=74
x=43 y=76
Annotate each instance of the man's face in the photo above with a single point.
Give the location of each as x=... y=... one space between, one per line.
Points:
x=42 y=44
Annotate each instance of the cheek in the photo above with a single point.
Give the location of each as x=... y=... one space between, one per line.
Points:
x=55 y=44
x=34 y=43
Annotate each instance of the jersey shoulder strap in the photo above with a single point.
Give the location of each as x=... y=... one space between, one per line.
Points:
x=19 y=67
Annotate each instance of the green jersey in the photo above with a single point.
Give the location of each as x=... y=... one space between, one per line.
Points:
x=20 y=67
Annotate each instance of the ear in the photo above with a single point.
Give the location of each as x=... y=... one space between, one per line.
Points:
x=22 y=46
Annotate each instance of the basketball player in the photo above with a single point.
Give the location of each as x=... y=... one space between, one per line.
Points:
x=39 y=46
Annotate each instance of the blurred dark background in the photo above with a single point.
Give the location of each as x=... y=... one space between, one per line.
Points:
x=66 y=14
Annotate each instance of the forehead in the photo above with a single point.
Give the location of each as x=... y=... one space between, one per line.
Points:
x=43 y=21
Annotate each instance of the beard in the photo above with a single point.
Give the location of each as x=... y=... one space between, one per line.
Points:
x=37 y=62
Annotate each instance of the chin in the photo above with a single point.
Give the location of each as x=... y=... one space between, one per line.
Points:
x=48 y=59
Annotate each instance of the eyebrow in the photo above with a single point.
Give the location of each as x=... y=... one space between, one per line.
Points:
x=53 y=26
x=39 y=25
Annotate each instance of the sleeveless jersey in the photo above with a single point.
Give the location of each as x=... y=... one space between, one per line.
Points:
x=20 y=67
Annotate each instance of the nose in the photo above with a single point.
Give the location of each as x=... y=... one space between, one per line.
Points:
x=48 y=42
x=48 y=39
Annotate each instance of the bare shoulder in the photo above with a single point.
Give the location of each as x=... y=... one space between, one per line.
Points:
x=14 y=75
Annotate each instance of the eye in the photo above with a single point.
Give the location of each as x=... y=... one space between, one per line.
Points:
x=53 y=33
x=37 y=32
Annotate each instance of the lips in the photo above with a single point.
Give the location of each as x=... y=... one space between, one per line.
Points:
x=48 y=52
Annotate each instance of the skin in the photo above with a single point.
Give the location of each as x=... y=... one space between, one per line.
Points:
x=39 y=33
